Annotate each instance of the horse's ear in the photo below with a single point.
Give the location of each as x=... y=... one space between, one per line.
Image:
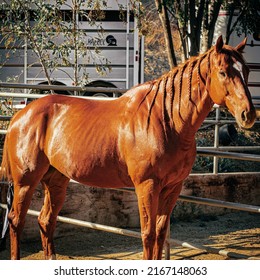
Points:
x=240 y=47
x=219 y=44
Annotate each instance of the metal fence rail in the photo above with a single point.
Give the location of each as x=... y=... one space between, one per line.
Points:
x=169 y=241
x=136 y=234
x=60 y=87
x=230 y=155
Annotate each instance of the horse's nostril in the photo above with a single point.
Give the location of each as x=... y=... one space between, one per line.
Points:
x=247 y=118
x=244 y=116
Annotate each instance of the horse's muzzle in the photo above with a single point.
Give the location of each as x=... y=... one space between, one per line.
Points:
x=247 y=118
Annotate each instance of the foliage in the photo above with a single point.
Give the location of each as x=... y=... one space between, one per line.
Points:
x=55 y=37
x=195 y=21
x=246 y=15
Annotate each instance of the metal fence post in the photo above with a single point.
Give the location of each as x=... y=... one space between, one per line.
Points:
x=167 y=245
x=216 y=141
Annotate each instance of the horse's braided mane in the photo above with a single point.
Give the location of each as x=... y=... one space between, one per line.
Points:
x=166 y=90
x=166 y=86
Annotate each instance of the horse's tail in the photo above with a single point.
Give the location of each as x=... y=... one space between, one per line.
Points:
x=5 y=175
x=5 y=171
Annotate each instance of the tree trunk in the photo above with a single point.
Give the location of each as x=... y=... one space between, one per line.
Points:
x=214 y=12
x=205 y=28
x=194 y=44
x=164 y=18
x=204 y=40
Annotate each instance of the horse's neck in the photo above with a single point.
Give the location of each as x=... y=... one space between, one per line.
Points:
x=179 y=100
x=193 y=104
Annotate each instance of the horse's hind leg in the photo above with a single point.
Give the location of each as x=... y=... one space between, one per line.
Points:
x=55 y=185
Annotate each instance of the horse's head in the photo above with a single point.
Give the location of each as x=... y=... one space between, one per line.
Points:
x=228 y=82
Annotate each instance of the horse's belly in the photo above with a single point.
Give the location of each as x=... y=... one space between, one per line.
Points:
x=106 y=175
x=104 y=178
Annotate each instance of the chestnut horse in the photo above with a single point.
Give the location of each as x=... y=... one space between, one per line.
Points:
x=144 y=139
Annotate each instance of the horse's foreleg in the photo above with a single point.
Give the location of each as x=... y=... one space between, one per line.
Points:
x=167 y=201
x=55 y=185
x=21 y=202
x=147 y=195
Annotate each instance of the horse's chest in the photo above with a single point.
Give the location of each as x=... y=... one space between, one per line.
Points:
x=177 y=164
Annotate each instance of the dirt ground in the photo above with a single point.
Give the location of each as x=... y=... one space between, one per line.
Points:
x=236 y=232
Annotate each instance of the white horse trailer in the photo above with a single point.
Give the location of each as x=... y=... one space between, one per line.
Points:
x=119 y=43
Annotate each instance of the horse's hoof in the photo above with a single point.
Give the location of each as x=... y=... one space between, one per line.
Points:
x=51 y=257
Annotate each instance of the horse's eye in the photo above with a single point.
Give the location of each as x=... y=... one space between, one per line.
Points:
x=222 y=74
